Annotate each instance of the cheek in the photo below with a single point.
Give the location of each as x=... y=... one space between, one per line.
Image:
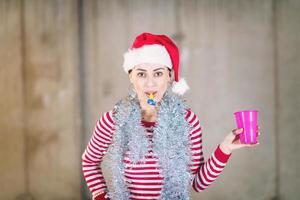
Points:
x=139 y=90
x=138 y=86
x=163 y=86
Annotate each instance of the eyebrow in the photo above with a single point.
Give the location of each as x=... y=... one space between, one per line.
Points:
x=141 y=69
x=159 y=69
x=153 y=70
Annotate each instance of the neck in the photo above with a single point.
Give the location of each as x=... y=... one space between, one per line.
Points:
x=149 y=115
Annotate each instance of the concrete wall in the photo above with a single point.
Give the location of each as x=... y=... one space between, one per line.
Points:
x=40 y=123
x=61 y=68
x=288 y=105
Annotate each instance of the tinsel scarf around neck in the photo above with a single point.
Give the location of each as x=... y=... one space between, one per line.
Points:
x=171 y=145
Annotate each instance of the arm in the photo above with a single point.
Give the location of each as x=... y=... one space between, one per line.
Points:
x=93 y=154
x=205 y=172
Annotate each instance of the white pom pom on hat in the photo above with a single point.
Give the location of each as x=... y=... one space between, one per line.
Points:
x=156 y=49
x=180 y=87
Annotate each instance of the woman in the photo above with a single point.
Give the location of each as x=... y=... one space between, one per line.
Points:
x=153 y=138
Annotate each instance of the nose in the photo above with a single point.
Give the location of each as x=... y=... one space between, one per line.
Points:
x=150 y=82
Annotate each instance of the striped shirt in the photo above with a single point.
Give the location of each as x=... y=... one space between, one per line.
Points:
x=144 y=179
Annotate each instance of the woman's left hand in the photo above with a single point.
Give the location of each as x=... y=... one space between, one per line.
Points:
x=232 y=141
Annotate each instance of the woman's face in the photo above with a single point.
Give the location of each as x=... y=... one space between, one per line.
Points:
x=150 y=78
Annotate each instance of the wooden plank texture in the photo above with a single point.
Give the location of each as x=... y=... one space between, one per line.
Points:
x=51 y=71
x=12 y=157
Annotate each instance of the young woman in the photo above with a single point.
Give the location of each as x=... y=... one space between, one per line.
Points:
x=153 y=138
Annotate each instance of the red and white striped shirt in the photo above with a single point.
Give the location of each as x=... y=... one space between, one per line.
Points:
x=144 y=179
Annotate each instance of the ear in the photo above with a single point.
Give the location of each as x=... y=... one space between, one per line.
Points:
x=172 y=76
x=130 y=77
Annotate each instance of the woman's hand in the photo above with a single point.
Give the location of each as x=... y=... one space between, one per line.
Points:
x=232 y=141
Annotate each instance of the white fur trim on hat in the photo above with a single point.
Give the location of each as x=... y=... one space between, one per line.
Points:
x=180 y=87
x=154 y=54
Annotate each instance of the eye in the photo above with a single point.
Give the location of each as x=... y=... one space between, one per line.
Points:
x=156 y=74
x=141 y=74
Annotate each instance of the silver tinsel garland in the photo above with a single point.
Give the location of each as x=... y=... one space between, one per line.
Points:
x=171 y=144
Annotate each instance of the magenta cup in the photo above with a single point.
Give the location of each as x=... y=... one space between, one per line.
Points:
x=247 y=119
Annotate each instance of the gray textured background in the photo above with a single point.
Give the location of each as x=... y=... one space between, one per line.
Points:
x=60 y=69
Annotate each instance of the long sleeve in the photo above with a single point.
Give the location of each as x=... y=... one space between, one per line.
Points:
x=205 y=172
x=94 y=152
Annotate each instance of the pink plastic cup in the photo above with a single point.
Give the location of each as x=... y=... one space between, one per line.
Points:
x=247 y=119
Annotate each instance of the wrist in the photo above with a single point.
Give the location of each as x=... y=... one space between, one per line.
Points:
x=225 y=149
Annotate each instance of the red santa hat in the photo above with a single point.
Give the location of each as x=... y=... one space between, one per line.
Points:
x=156 y=49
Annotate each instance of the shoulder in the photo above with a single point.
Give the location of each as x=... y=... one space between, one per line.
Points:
x=191 y=117
x=194 y=122
x=106 y=120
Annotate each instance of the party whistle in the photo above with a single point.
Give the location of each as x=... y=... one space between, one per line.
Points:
x=151 y=100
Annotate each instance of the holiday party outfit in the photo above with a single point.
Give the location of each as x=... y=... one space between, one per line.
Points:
x=143 y=179
x=151 y=160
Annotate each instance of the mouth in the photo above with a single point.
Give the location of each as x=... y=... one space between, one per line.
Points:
x=148 y=93
x=151 y=95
